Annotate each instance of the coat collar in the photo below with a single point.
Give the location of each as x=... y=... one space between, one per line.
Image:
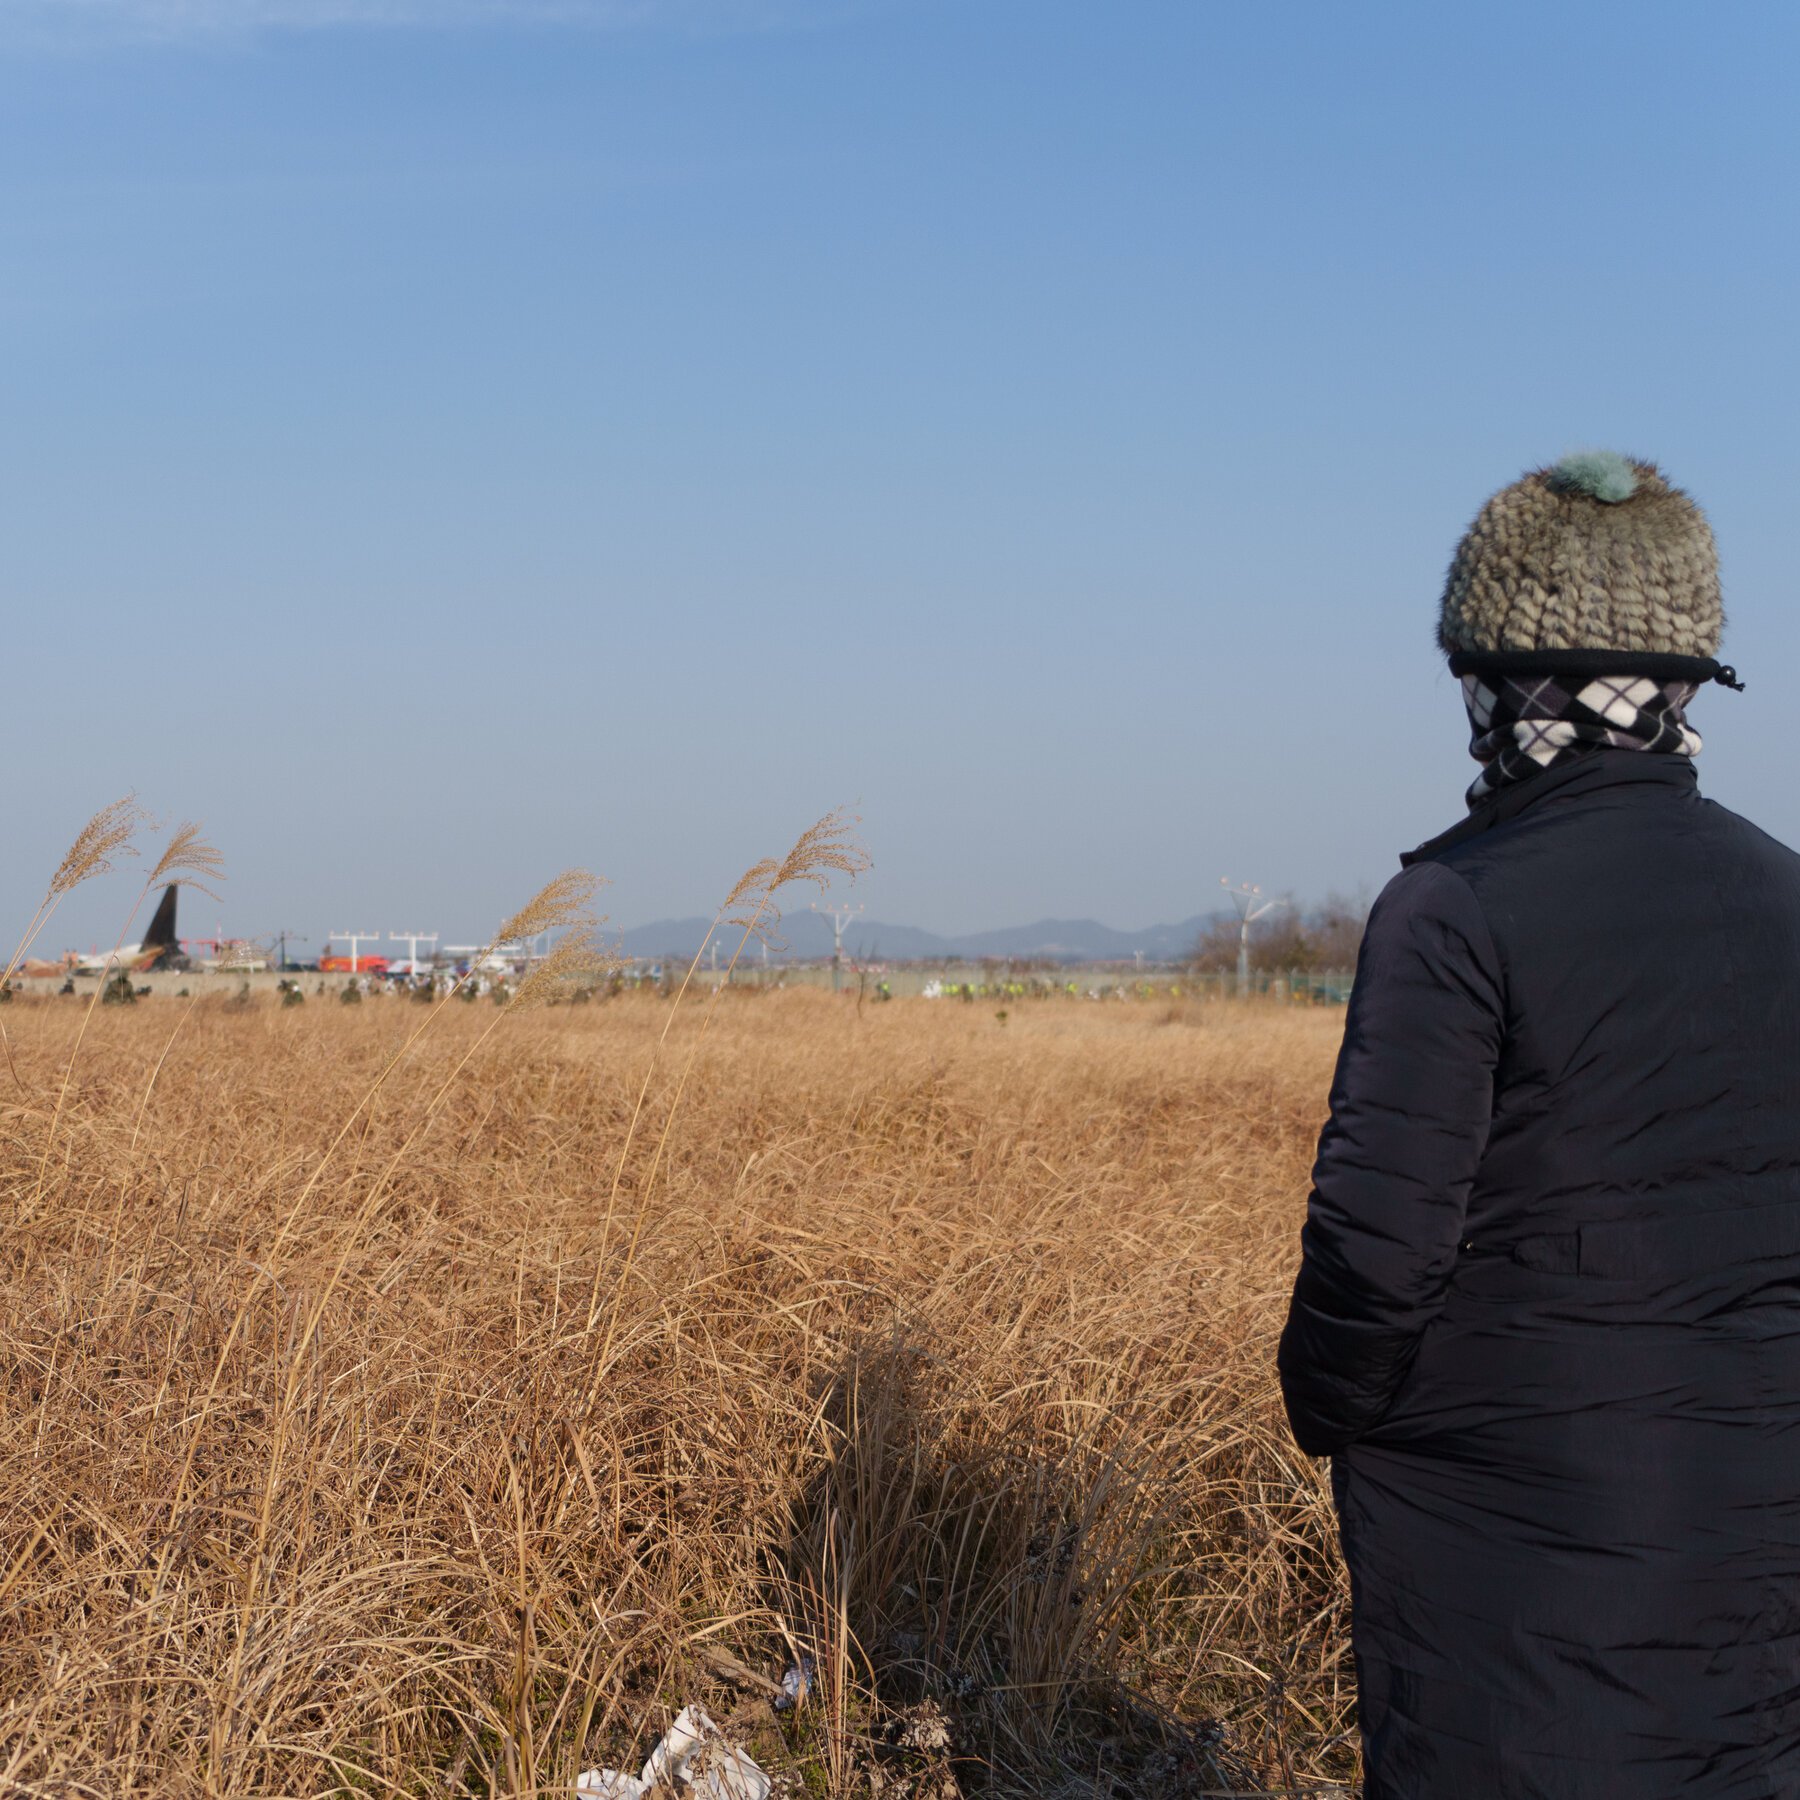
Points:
x=1585 y=775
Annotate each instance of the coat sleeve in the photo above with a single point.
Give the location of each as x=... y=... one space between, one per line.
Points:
x=1410 y=1109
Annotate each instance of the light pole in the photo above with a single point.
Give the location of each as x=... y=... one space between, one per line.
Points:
x=281 y=939
x=1251 y=907
x=840 y=916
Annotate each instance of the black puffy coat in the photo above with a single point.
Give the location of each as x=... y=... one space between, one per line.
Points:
x=1547 y=1324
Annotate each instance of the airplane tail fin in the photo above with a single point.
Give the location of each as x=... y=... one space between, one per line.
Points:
x=161 y=932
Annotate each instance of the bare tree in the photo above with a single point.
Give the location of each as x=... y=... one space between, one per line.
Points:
x=1327 y=936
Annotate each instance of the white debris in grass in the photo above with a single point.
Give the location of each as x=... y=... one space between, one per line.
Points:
x=695 y=1755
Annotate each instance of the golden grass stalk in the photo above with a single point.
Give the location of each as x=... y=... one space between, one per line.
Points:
x=101 y=841
x=187 y=857
x=829 y=847
x=563 y=904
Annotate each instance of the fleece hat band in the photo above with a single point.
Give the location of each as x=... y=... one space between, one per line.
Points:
x=1593 y=665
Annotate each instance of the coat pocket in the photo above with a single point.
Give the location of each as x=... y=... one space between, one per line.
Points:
x=1667 y=1249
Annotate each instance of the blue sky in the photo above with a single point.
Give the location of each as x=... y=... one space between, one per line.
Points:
x=446 y=443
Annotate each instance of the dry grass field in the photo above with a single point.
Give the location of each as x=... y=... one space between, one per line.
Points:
x=455 y=1459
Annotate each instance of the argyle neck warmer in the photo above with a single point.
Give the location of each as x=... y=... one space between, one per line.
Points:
x=1524 y=724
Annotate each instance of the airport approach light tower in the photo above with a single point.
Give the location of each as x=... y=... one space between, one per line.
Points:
x=412 y=940
x=354 y=938
x=840 y=916
x=1251 y=907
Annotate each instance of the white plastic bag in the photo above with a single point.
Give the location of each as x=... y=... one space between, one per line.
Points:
x=608 y=1784
x=693 y=1754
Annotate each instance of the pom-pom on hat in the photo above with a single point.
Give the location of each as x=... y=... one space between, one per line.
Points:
x=1598 y=552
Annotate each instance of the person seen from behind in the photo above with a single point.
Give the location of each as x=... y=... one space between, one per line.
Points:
x=1547 y=1321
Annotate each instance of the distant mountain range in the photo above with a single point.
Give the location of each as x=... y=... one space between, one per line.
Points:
x=1049 y=940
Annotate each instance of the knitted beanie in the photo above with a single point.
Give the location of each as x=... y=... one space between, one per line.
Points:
x=1597 y=553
